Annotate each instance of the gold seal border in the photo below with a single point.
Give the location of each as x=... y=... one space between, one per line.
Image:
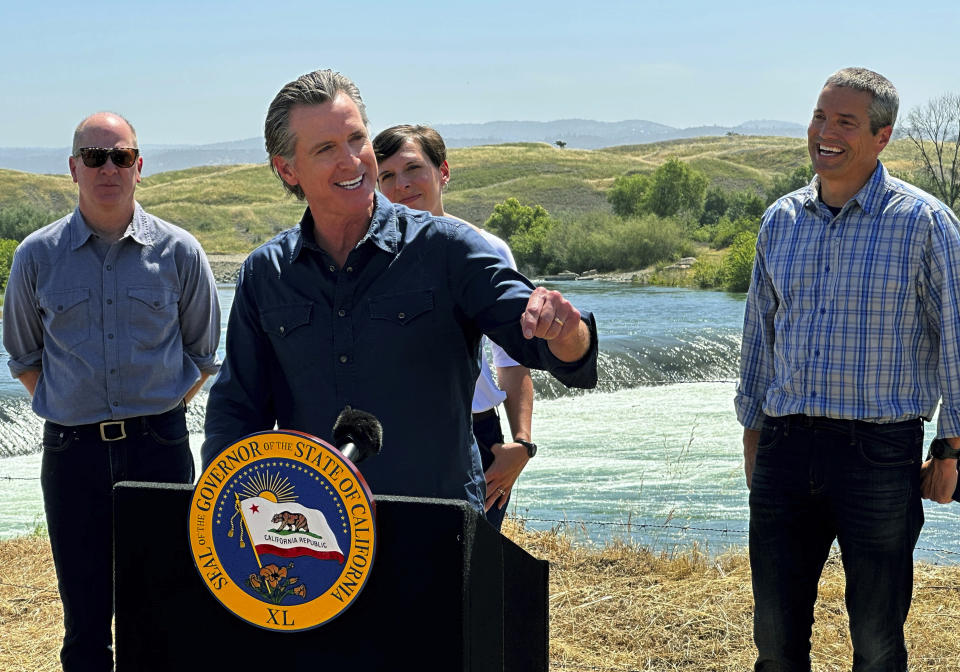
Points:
x=354 y=496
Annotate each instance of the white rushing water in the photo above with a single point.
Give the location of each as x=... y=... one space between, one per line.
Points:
x=644 y=457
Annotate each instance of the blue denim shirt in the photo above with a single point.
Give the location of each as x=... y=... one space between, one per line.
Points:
x=394 y=332
x=115 y=338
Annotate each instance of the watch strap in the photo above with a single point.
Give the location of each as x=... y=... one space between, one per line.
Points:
x=529 y=445
x=940 y=449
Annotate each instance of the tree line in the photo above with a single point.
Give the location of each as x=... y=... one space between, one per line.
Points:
x=661 y=216
x=656 y=217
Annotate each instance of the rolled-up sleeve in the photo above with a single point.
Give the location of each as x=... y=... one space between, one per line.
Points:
x=22 y=325
x=200 y=312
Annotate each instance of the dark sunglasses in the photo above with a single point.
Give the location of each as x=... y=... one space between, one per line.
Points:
x=122 y=157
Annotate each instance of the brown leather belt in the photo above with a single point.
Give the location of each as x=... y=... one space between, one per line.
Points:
x=111 y=430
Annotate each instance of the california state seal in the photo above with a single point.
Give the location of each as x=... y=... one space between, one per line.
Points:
x=282 y=530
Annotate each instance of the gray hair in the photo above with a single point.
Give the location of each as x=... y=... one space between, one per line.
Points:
x=83 y=125
x=886 y=102
x=313 y=88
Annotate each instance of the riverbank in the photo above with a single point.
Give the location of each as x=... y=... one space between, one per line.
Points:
x=616 y=608
x=226 y=266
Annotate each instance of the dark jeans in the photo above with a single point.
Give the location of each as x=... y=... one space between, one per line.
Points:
x=817 y=480
x=488 y=432
x=77 y=476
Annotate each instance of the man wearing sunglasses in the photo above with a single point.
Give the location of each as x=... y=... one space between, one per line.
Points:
x=112 y=321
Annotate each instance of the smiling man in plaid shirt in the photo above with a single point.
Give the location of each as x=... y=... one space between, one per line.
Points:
x=851 y=337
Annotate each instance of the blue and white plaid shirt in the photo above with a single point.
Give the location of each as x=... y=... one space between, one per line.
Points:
x=855 y=316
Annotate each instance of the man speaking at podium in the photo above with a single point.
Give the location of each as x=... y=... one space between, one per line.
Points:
x=376 y=306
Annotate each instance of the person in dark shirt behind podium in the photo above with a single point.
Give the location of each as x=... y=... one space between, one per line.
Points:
x=373 y=305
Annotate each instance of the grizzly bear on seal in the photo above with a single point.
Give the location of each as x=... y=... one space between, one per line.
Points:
x=295 y=521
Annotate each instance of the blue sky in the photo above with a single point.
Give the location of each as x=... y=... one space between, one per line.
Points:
x=198 y=72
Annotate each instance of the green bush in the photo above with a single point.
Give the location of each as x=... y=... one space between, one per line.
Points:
x=626 y=196
x=675 y=187
x=19 y=220
x=525 y=228
x=6 y=259
x=606 y=242
x=528 y=244
x=745 y=205
x=707 y=274
x=714 y=206
x=726 y=231
x=785 y=183
x=738 y=262
x=512 y=216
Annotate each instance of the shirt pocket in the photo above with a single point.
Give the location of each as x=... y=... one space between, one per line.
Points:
x=403 y=328
x=294 y=343
x=402 y=309
x=284 y=320
x=66 y=316
x=154 y=314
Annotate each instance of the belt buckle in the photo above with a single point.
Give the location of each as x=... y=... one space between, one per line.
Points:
x=123 y=430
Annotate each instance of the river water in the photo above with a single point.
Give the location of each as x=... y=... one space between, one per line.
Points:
x=653 y=455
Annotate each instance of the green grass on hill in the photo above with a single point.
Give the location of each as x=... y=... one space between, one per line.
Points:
x=55 y=193
x=231 y=209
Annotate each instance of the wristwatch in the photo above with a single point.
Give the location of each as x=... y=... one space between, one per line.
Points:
x=940 y=449
x=530 y=446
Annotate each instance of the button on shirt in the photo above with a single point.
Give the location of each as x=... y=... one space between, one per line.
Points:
x=854 y=316
x=114 y=336
x=395 y=332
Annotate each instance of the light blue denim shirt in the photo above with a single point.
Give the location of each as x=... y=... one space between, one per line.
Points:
x=854 y=316
x=115 y=338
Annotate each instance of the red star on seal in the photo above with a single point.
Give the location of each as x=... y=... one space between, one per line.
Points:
x=254 y=508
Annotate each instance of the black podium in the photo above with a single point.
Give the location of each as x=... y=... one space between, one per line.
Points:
x=447 y=592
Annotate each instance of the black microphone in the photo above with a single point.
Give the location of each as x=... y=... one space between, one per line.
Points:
x=357 y=434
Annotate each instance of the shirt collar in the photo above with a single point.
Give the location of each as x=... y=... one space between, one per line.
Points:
x=869 y=198
x=141 y=228
x=384 y=230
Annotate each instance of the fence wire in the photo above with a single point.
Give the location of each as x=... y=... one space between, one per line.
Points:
x=559 y=524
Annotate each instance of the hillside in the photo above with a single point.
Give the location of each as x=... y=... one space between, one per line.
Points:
x=231 y=209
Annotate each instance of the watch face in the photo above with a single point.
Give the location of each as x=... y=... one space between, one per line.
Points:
x=531 y=447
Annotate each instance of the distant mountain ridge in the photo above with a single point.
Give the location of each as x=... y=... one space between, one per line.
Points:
x=577 y=133
x=588 y=134
x=157 y=158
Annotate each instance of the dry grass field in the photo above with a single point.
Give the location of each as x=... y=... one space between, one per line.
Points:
x=613 y=608
x=232 y=209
